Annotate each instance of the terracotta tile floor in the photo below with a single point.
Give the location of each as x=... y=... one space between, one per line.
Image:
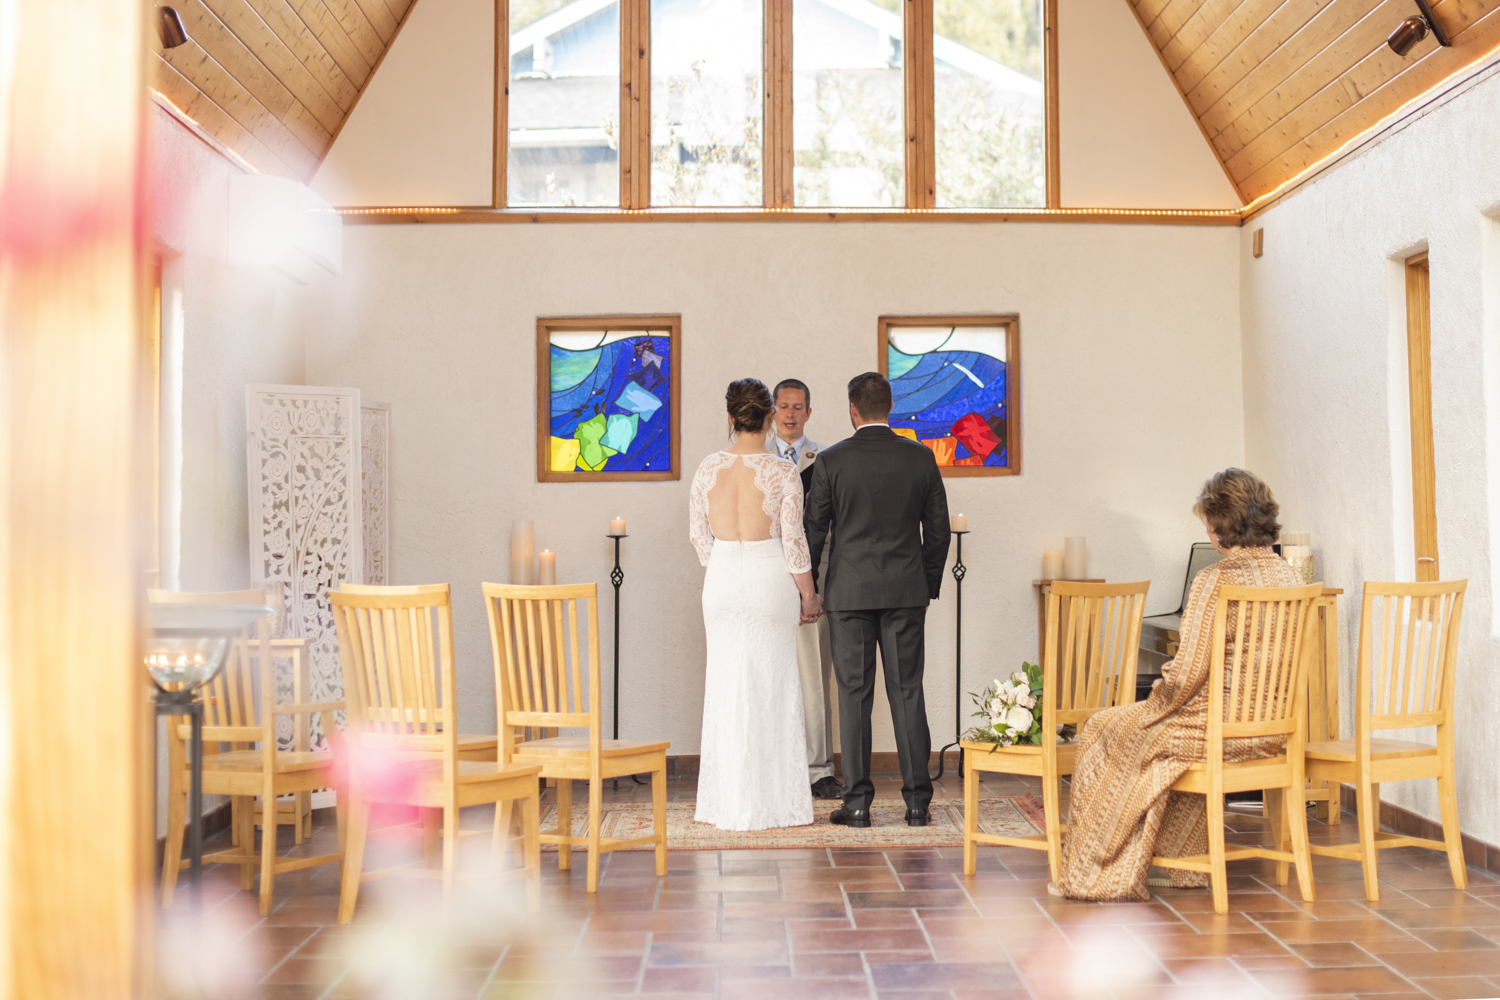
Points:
x=781 y=925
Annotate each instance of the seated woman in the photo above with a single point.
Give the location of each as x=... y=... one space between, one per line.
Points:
x=1122 y=809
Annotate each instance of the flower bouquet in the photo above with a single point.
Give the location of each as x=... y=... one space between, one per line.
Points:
x=1010 y=713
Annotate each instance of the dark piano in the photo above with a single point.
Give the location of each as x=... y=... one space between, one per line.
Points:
x=1161 y=633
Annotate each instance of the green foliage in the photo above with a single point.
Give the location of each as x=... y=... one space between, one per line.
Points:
x=1007 y=31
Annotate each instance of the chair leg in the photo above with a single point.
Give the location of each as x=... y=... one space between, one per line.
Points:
x=267 y=856
x=971 y=818
x=450 y=851
x=1052 y=811
x=341 y=824
x=1218 y=877
x=1448 y=809
x=171 y=857
x=565 y=822
x=500 y=839
x=531 y=837
x=246 y=809
x=1273 y=807
x=659 y=815
x=354 y=856
x=596 y=820
x=1367 y=805
x=429 y=819
x=234 y=821
x=1294 y=809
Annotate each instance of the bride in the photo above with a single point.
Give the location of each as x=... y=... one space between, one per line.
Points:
x=745 y=519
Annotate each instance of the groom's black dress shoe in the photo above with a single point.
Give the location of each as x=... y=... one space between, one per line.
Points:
x=918 y=817
x=850 y=817
x=827 y=788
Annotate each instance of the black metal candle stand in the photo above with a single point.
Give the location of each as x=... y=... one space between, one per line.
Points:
x=959 y=572
x=617 y=577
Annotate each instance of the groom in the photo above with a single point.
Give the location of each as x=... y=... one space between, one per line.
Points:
x=884 y=497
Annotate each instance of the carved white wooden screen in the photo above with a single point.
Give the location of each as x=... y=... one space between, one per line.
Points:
x=306 y=521
x=375 y=481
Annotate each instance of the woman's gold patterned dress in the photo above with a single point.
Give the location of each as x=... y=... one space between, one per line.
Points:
x=1122 y=809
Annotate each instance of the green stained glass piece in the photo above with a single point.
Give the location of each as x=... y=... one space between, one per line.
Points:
x=898 y=364
x=607 y=454
x=590 y=451
x=621 y=432
x=571 y=367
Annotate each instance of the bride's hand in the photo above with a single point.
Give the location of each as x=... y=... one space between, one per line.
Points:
x=812 y=608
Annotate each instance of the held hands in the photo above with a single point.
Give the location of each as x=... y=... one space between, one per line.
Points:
x=812 y=608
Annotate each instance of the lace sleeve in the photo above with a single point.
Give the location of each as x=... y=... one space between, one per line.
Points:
x=793 y=539
x=698 y=530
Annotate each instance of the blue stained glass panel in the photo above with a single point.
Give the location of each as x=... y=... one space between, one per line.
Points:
x=625 y=377
x=948 y=387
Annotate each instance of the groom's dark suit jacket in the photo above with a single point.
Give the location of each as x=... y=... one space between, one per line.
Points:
x=883 y=497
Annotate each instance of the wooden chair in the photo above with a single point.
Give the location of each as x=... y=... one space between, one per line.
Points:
x=296 y=813
x=396 y=650
x=1265 y=682
x=539 y=682
x=1092 y=640
x=239 y=708
x=1408 y=651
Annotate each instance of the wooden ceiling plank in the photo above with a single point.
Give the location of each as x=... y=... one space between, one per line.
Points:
x=1171 y=19
x=1272 y=33
x=200 y=108
x=398 y=8
x=356 y=24
x=1196 y=30
x=277 y=36
x=224 y=90
x=380 y=18
x=1482 y=35
x=1319 y=51
x=330 y=35
x=1147 y=11
x=1458 y=16
x=1347 y=50
x=1327 y=104
x=1223 y=41
x=229 y=52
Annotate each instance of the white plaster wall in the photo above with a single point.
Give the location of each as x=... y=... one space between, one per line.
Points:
x=1323 y=317
x=1126 y=139
x=1130 y=388
x=229 y=337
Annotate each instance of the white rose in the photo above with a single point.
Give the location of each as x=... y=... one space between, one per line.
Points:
x=1018 y=719
x=1027 y=701
x=1019 y=677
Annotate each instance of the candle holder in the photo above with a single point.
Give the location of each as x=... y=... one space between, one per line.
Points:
x=617 y=577
x=959 y=572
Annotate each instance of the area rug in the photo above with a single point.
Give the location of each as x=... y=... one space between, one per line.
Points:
x=1012 y=816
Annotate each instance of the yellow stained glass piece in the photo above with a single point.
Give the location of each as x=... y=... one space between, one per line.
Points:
x=585 y=467
x=564 y=454
x=906 y=432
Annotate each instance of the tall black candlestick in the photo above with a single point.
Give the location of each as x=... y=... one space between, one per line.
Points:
x=959 y=571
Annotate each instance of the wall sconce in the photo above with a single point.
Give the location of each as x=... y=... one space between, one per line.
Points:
x=169 y=26
x=1412 y=30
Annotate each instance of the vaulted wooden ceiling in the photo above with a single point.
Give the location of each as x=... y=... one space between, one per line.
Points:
x=274 y=79
x=1277 y=85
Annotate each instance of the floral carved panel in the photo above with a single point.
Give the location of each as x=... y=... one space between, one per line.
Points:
x=306 y=515
x=375 y=481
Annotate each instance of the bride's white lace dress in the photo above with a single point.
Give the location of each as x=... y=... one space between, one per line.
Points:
x=753 y=770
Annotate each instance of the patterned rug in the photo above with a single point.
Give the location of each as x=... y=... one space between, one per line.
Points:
x=1013 y=816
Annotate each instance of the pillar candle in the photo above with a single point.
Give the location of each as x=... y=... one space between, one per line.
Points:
x=546 y=568
x=1075 y=558
x=617 y=526
x=522 y=547
x=958 y=522
x=1052 y=564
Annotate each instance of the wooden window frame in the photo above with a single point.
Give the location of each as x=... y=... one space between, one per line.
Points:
x=778 y=190
x=545 y=326
x=1419 y=399
x=1012 y=324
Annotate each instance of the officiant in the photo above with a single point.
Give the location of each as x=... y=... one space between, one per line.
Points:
x=814 y=656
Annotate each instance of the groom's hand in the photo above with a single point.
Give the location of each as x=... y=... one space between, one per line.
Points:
x=812 y=608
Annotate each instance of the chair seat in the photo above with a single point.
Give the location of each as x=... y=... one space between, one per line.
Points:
x=478 y=741
x=252 y=760
x=568 y=746
x=1380 y=749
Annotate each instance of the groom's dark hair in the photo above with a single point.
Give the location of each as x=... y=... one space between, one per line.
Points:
x=871 y=395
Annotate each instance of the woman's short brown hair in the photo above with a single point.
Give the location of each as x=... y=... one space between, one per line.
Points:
x=1239 y=508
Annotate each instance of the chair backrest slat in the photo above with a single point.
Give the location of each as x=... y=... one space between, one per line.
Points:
x=1408 y=643
x=1257 y=674
x=1091 y=647
x=539 y=657
x=396 y=649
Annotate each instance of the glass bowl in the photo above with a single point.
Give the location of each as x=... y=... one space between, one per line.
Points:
x=185 y=662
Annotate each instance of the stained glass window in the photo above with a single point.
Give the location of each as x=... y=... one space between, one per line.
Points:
x=953 y=388
x=611 y=406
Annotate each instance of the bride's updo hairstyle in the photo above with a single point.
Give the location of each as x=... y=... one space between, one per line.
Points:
x=749 y=403
x=1239 y=508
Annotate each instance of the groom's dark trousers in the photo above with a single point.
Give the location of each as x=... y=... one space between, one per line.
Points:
x=877 y=502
